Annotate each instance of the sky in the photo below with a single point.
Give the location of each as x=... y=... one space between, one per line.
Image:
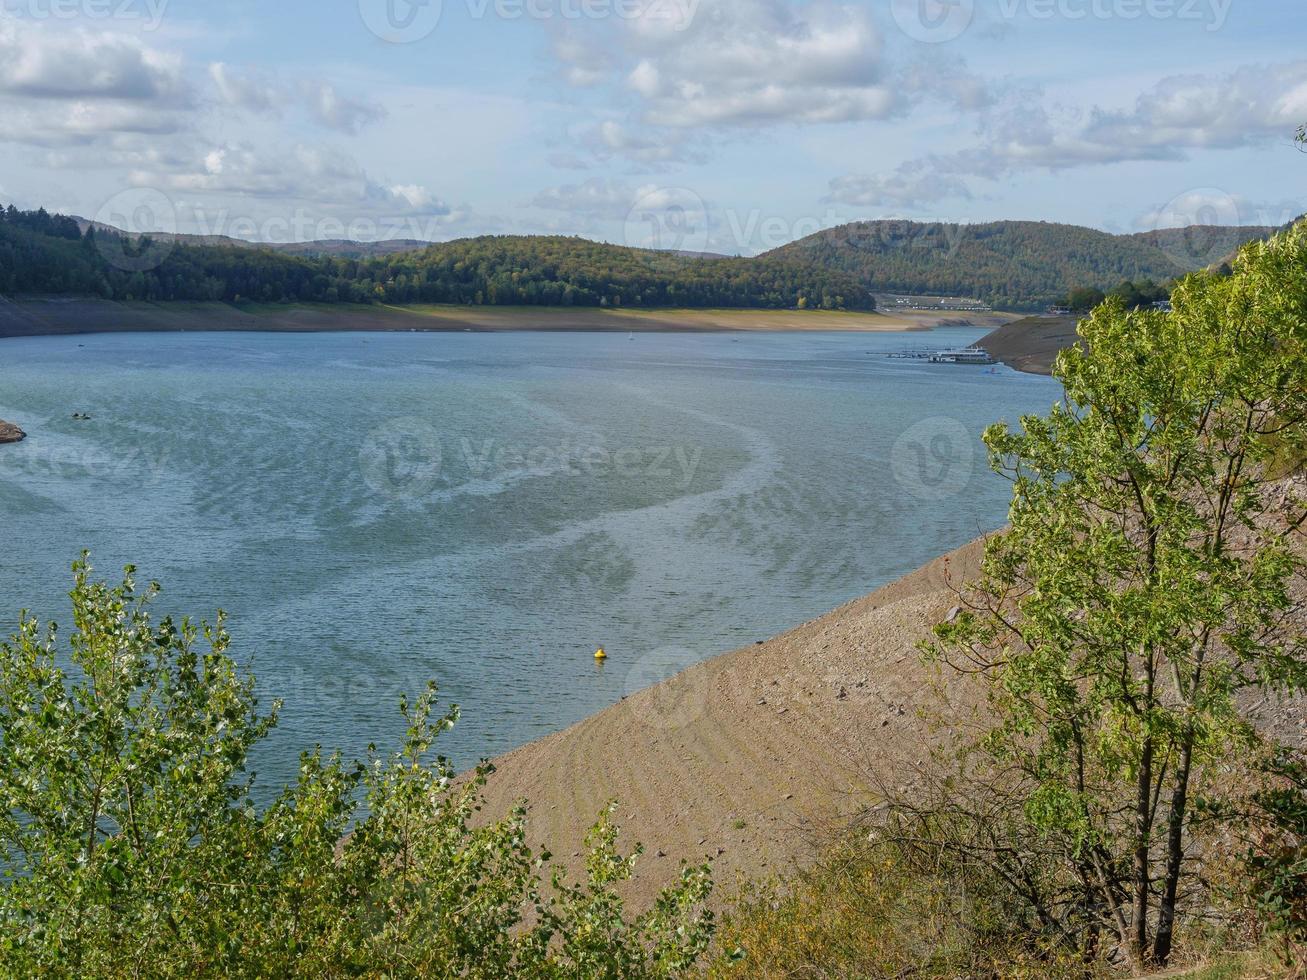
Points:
x=728 y=126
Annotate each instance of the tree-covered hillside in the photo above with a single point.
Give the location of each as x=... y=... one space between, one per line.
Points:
x=45 y=254
x=1010 y=264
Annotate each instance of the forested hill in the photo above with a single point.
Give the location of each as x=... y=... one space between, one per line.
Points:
x=50 y=254
x=1010 y=264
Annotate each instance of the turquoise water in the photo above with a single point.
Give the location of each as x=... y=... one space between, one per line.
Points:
x=373 y=510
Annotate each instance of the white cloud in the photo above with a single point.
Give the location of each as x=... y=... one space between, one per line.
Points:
x=652 y=146
x=684 y=72
x=911 y=185
x=1249 y=105
x=67 y=63
x=747 y=62
x=1167 y=122
x=296 y=173
x=1254 y=102
x=339 y=112
x=598 y=197
x=251 y=90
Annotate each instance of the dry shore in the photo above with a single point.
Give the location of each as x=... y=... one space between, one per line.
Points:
x=1031 y=344
x=754 y=758
x=30 y=317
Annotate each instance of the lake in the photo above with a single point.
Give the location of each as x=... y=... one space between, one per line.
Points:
x=373 y=510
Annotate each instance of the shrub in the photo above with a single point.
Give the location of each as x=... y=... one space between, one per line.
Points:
x=132 y=846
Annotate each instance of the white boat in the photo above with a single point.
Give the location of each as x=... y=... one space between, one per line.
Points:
x=961 y=355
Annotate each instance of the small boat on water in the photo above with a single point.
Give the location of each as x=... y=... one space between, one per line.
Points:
x=961 y=355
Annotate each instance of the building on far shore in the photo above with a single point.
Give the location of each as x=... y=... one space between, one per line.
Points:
x=958 y=304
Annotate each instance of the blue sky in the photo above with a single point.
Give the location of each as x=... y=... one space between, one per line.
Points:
x=723 y=125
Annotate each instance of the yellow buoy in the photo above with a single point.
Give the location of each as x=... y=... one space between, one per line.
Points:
x=600 y=655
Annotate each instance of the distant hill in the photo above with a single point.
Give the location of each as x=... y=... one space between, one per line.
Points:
x=1210 y=245
x=44 y=254
x=345 y=248
x=1010 y=264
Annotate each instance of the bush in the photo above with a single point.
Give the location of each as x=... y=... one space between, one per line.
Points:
x=871 y=907
x=132 y=846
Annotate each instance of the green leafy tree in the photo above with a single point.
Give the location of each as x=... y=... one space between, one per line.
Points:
x=1084 y=298
x=132 y=846
x=1142 y=590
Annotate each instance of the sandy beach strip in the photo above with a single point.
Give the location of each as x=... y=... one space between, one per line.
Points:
x=31 y=317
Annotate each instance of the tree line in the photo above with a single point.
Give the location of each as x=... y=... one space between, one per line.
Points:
x=1019 y=265
x=42 y=253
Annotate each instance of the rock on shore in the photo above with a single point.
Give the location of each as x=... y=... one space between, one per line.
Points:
x=11 y=433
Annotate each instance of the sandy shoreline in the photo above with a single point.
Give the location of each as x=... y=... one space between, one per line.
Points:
x=32 y=317
x=1032 y=343
x=753 y=759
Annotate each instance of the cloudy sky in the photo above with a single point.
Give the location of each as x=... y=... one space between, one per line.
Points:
x=724 y=125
